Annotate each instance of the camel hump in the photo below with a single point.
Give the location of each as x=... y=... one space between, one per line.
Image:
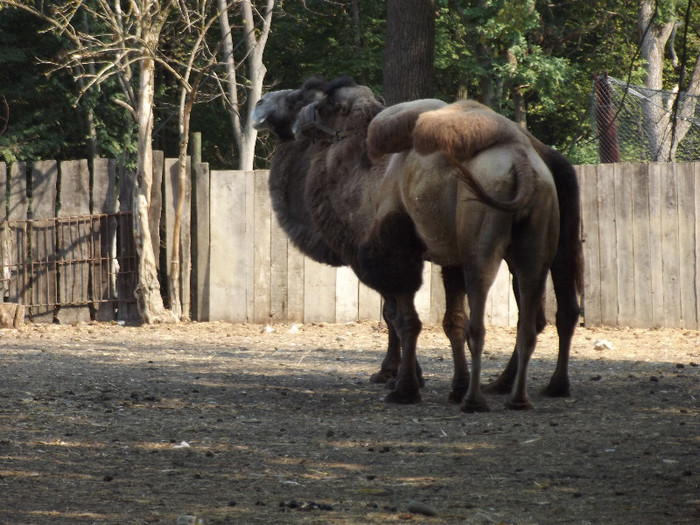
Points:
x=391 y=131
x=463 y=129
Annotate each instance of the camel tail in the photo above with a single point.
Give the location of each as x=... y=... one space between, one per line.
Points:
x=525 y=180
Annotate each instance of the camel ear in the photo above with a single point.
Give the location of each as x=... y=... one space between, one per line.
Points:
x=380 y=99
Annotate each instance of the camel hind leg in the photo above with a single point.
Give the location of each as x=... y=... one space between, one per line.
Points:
x=453 y=324
x=529 y=258
x=479 y=275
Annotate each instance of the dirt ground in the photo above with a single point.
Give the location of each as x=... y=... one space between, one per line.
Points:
x=238 y=424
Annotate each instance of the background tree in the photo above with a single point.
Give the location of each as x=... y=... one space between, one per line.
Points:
x=409 y=50
x=666 y=121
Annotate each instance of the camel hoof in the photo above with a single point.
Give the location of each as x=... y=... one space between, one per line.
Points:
x=498 y=387
x=520 y=405
x=557 y=389
x=457 y=395
x=403 y=398
x=472 y=407
x=382 y=377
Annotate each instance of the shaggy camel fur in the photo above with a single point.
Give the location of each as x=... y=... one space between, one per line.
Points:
x=276 y=111
x=386 y=218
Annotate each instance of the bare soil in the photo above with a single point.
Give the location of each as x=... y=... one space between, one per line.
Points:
x=237 y=424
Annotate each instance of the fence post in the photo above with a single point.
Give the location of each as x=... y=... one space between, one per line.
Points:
x=606 y=121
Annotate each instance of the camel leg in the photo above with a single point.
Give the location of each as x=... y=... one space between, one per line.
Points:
x=504 y=383
x=392 y=359
x=525 y=345
x=408 y=327
x=479 y=275
x=453 y=324
x=530 y=262
x=567 y=318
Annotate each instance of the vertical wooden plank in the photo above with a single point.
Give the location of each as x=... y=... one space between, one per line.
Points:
x=186 y=245
x=228 y=279
x=74 y=242
x=319 y=292
x=43 y=241
x=17 y=211
x=369 y=304
x=261 y=249
x=589 y=216
x=670 y=249
x=156 y=209
x=279 y=268
x=641 y=237
x=437 y=296
x=608 y=244
x=498 y=300
x=685 y=178
x=346 y=293
x=169 y=203
x=5 y=246
x=200 y=243
x=3 y=191
x=623 y=175
x=172 y=194
x=696 y=176
x=422 y=299
x=656 y=174
x=250 y=243
x=295 y=284
x=104 y=248
x=127 y=278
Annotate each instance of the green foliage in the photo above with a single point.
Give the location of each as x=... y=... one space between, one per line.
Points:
x=485 y=49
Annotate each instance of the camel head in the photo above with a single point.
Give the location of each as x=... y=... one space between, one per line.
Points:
x=277 y=110
x=345 y=107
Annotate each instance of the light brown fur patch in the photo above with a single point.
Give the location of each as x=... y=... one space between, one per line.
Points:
x=463 y=129
x=391 y=131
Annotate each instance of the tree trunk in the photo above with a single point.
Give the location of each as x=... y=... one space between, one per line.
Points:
x=409 y=50
x=655 y=113
x=255 y=39
x=148 y=297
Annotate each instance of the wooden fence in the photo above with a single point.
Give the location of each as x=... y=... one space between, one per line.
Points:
x=641 y=245
x=66 y=238
x=640 y=230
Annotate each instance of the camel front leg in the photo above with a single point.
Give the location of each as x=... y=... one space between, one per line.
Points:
x=408 y=327
x=392 y=359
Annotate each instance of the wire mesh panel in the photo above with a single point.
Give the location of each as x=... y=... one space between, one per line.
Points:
x=642 y=124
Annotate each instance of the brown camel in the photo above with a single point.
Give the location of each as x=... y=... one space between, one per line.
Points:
x=462 y=196
x=276 y=112
x=391 y=132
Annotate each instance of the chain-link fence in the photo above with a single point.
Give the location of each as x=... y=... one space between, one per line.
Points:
x=636 y=124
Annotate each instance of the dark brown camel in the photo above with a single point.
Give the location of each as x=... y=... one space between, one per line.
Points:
x=463 y=196
x=276 y=111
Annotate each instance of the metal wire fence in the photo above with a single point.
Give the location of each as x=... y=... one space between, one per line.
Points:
x=636 y=124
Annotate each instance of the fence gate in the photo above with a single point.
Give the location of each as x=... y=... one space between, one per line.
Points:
x=66 y=252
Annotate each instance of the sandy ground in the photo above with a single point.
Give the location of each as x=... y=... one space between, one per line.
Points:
x=237 y=424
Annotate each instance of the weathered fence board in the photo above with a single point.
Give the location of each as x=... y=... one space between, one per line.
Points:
x=73 y=247
x=44 y=183
x=200 y=241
